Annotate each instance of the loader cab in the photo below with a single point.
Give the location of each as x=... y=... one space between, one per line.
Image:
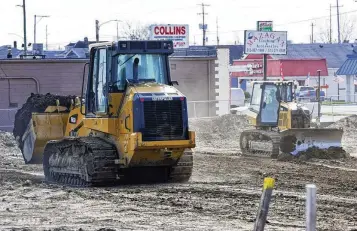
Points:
x=265 y=102
x=115 y=66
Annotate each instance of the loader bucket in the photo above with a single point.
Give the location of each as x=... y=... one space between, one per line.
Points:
x=42 y=128
x=300 y=140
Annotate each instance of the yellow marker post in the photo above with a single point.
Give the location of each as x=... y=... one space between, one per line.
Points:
x=264 y=204
x=268 y=183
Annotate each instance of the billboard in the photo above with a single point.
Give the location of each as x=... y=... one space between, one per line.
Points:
x=265 y=42
x=178 y=33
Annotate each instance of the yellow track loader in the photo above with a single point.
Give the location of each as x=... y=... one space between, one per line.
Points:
x=130 y=123
x=283 y=126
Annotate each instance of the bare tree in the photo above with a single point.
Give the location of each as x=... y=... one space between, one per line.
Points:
x=136 y=31
x=347 y=29
x=324 y=32
x=235 y=38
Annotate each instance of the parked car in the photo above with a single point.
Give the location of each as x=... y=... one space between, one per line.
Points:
x=305 y=93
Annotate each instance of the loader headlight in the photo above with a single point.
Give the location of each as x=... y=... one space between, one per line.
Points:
x=73 y=119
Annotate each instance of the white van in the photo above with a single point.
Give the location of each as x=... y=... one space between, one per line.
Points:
x=237 y=98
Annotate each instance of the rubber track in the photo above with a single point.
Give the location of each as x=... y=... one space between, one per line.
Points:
x=183 y=169
x=84 y=161
x=90 y=161
x=260 y=136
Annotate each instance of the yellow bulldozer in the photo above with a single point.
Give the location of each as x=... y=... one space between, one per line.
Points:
x=282 y=126
x=130 y=122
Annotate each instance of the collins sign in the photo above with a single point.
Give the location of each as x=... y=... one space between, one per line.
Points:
x=175 y=32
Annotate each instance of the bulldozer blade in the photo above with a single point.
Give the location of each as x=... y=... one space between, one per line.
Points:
x=29 y=140
x=42 y=128
x=298 y=140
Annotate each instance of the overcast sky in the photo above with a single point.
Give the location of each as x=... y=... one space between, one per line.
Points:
x=72 y=20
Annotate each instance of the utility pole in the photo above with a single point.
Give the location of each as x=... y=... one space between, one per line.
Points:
x=330 y=37
x=46 y=39
x=24 y=18
x=338 y=21
x=24 y=12
x=97 y=27
x=217 y=32
x=34 y=30
x=318 y=98
x=203 y=23
x=312 y=32
x=96 y=30
x=117 y=30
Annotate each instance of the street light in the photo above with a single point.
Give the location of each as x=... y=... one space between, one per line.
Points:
x=97 y=27
x=16 y=35
x=35 y=23
x=25 y=45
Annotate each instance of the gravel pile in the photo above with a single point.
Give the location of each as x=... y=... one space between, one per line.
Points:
x=349 y=125
x=7 y=140
x=219 y=134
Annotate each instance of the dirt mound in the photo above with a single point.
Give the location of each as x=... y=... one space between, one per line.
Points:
x=349 y=125
x=36 y=103
x=219 y=134
x=315 y=153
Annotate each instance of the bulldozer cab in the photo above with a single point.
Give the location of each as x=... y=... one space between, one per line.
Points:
x=114 y=66
x=266 y=98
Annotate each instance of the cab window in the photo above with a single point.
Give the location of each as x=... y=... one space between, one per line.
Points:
x=137 y=68
x=97 y=98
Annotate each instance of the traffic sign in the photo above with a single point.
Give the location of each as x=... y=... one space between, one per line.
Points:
x=265 y=25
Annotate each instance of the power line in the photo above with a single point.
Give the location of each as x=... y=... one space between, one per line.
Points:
x=204 y=27
x=317 y=18
x=172 y=9
x=288 y=23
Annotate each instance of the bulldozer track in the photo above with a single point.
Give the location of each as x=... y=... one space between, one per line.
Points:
x=182 y=171
x=90 y=161
x=267 y=138
x=83 y=161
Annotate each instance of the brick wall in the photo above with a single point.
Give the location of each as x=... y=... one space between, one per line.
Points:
x=54 y=76
x=20 y=78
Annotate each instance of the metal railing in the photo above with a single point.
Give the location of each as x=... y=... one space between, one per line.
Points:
x=332 y=105
x=210 y=108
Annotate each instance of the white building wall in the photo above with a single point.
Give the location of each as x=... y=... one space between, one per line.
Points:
x=222 y=81
x=332 y=91
x=347 y=87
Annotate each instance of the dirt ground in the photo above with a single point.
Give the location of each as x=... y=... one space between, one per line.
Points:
x=223 y=193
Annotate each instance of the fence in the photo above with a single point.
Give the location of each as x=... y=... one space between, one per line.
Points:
x=207 y=108
x=334 y=106
x=331 y=99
